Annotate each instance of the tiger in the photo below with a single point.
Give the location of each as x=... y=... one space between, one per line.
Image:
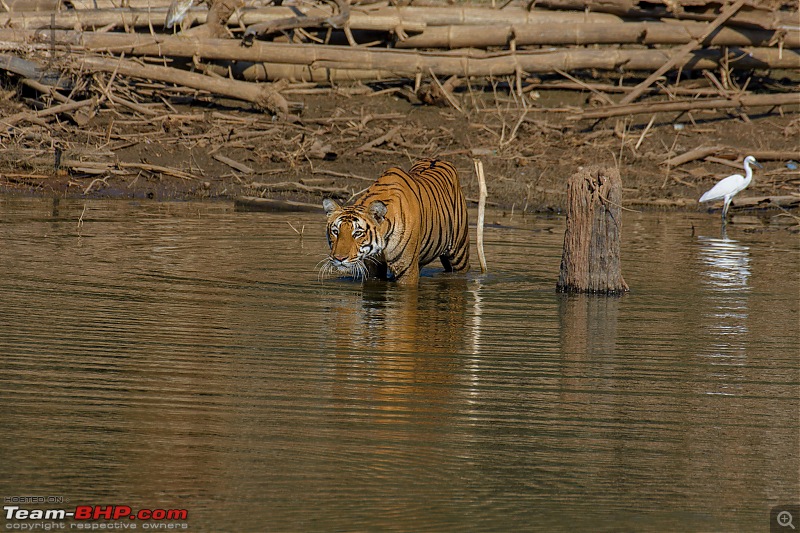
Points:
x=402 y=222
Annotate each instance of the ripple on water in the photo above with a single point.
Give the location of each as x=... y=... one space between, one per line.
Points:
x=187 y=356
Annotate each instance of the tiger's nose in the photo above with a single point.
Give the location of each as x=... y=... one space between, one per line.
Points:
x=340 y=258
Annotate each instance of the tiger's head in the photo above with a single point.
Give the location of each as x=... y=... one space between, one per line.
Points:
x=354 y=237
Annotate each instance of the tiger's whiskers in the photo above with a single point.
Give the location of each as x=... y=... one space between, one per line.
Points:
x=357 y=270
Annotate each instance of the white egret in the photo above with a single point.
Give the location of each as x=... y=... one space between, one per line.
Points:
x=729 y=187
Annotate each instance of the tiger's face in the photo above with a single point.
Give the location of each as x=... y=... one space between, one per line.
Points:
x=354 y=238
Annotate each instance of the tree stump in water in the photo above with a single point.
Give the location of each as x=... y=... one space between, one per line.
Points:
x=590 y=261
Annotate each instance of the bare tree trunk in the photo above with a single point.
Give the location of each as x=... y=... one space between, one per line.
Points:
x=591 y=258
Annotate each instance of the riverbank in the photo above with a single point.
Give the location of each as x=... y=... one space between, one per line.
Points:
x=342 y=139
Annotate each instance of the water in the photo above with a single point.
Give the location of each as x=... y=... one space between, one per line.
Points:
x=186 y=356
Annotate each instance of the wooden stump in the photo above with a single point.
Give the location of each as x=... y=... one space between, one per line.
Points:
x=591 y=258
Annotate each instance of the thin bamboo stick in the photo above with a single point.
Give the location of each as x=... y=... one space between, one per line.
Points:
x=481 y=213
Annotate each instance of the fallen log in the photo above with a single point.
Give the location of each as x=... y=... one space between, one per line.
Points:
x=546 y=11
x=254 y=203
x=662 y=202
x=32 y=70
x=338 y=192
x=765 y=203
x=464 y=15
x=262 y=95
x=406 y=16
x=705 y=151
x=133 y=17
x=31 y=5
x=303 y=73
x=677 y=90
x=410 y=19
x=745 y=100
x=401 y=62
x=647 y=33
x=692 y=155
x=754 y=17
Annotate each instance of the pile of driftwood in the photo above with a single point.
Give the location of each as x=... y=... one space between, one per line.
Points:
x=251 y=51
x=77 y=59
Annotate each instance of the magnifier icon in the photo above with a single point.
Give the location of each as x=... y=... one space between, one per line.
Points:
x=785 y=519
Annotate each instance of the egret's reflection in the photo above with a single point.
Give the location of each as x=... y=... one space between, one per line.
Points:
x=727 y=263
x=725 y=277
x=726 y=274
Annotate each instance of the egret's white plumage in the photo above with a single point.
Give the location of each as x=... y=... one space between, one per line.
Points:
x=729 y=187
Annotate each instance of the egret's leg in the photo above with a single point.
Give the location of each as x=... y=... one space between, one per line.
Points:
x=725 y=207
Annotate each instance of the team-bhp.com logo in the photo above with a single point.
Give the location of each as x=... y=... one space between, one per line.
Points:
x=92 y=513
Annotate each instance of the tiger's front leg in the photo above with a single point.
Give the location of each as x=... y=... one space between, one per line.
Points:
x=410 y=276
x=377 y=269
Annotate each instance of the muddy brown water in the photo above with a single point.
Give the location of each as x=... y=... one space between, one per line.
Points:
x=186 y=356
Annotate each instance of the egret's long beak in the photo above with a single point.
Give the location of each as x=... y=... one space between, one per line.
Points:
x=757 y=164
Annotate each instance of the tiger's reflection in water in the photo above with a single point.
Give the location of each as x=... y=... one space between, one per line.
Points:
x=402 y=359
x=404 y=348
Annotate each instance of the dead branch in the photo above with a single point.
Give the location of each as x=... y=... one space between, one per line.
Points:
x=158 y=169
x=236 y=165
x=439 y=94
x=341 y=174
x=254 y=203
x=378 y=141
x=34 y=116
x=338 y=192
x=263 y=96
x=746 y=100
x=692 y=155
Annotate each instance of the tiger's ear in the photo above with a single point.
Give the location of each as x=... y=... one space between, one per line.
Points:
x=329 y=206
x=378 y=211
